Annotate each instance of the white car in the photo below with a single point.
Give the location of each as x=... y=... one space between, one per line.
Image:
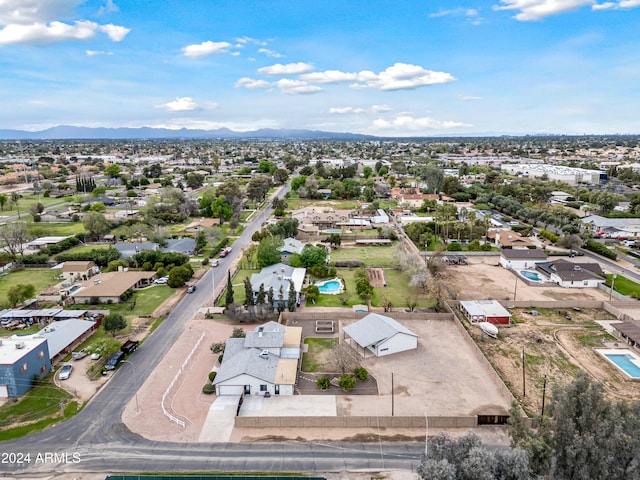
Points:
x=161 y=280
x=65 y=371
x=95 y=356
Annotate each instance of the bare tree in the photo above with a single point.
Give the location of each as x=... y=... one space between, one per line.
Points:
x=343 y=359
x=13 y=237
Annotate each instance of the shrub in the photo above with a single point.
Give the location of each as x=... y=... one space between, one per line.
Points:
x=361 y=373
x=220 y=359
x=208 y=389
x=323 y=383
x=601 y=249
x=212 y=376
x=347 y=382
x=349 y=264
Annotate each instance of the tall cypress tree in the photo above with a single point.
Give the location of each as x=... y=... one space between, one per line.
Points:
x=228 y=299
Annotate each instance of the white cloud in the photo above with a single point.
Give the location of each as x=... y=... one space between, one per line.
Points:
x=296 y=87
x=180 y=104
x=93 y=53
x=358 y=110
x=329 y=76
x=252 y=83
x=39 y=33
x=406 y=122
x=539 y=9
x=469 y=98
x=287 y=69
x=622 y=4
x=25 y=12
x=397 y=77
x=115 y=32
x=270 y=53
x=456 y=12
x=108 y=7
x=246 y=40
x=347 y=110
x=37 y=22
x=604 y=6
x=205 y=49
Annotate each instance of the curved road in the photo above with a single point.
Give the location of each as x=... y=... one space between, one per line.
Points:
x=96 y=440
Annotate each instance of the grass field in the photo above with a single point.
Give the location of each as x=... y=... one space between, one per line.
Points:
x=47 y=229
x=371 y=256
x=624 y=286
x=397 y=290
x=316 y=358
x=143 y=302
x=36 y=409
x=39 y=278
x=26 y=201
x=87 y=248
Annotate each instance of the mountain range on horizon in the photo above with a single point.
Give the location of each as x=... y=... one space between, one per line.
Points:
x=66 y=132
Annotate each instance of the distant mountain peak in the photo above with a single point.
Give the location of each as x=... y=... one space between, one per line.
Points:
x=68 y=132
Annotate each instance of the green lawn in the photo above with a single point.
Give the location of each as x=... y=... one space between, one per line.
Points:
x=371 y=256
x=46 y=229
x=397 y=289
x=38 y=408
x=87 y=248
x=39 y=278
x=316 y=357
x=143 y=302
x=26 y=201
x=238 y=285
x=624 y=286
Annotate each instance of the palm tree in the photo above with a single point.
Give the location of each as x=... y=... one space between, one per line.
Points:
x=3 y=200
x=15 y=198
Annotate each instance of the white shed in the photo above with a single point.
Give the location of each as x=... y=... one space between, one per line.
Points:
x=380 y=335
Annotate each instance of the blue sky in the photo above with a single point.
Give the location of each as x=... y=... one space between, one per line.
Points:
x=391 y=68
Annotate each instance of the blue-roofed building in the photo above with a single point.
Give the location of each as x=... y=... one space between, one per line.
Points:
x=186 y=245
x=22 y=357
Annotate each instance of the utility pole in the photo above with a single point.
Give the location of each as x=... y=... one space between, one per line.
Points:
x=613 y=283
x=515 y=288
x=392 y=399
x=524 y=386
x=544 y=392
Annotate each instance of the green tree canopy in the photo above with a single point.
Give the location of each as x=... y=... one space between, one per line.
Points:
x=113 y=323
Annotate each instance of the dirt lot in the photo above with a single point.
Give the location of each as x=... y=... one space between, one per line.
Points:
x=484 y=278
x=551 y=343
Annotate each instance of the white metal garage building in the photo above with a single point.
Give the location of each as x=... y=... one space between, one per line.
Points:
x=379 y=335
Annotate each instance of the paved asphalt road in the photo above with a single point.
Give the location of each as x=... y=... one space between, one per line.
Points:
x=96 y=440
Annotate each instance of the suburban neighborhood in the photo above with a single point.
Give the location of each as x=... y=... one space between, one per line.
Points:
x=319 y=291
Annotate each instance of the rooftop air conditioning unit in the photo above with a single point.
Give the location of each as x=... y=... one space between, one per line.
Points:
x=20 y=345
x=0 y=342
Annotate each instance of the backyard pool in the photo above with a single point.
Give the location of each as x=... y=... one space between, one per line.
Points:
x=330 y=287
x=533 y=276
x=625 y=360
x=333 y=230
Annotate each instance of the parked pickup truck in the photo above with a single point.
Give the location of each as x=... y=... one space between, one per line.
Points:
x=79 y=354
x=129 y=346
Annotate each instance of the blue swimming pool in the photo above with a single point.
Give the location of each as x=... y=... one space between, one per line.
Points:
x=330 y=287
x=333 y=230
x=624 y=362
x=533 y=276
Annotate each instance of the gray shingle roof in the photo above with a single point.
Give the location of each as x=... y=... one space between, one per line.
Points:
x=375 y=328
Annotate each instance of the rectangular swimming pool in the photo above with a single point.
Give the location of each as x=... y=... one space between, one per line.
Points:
x=625 y=360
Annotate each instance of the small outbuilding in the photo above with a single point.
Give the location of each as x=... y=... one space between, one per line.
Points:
x=521 y=259
x=379 y=335
x=491 y=311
